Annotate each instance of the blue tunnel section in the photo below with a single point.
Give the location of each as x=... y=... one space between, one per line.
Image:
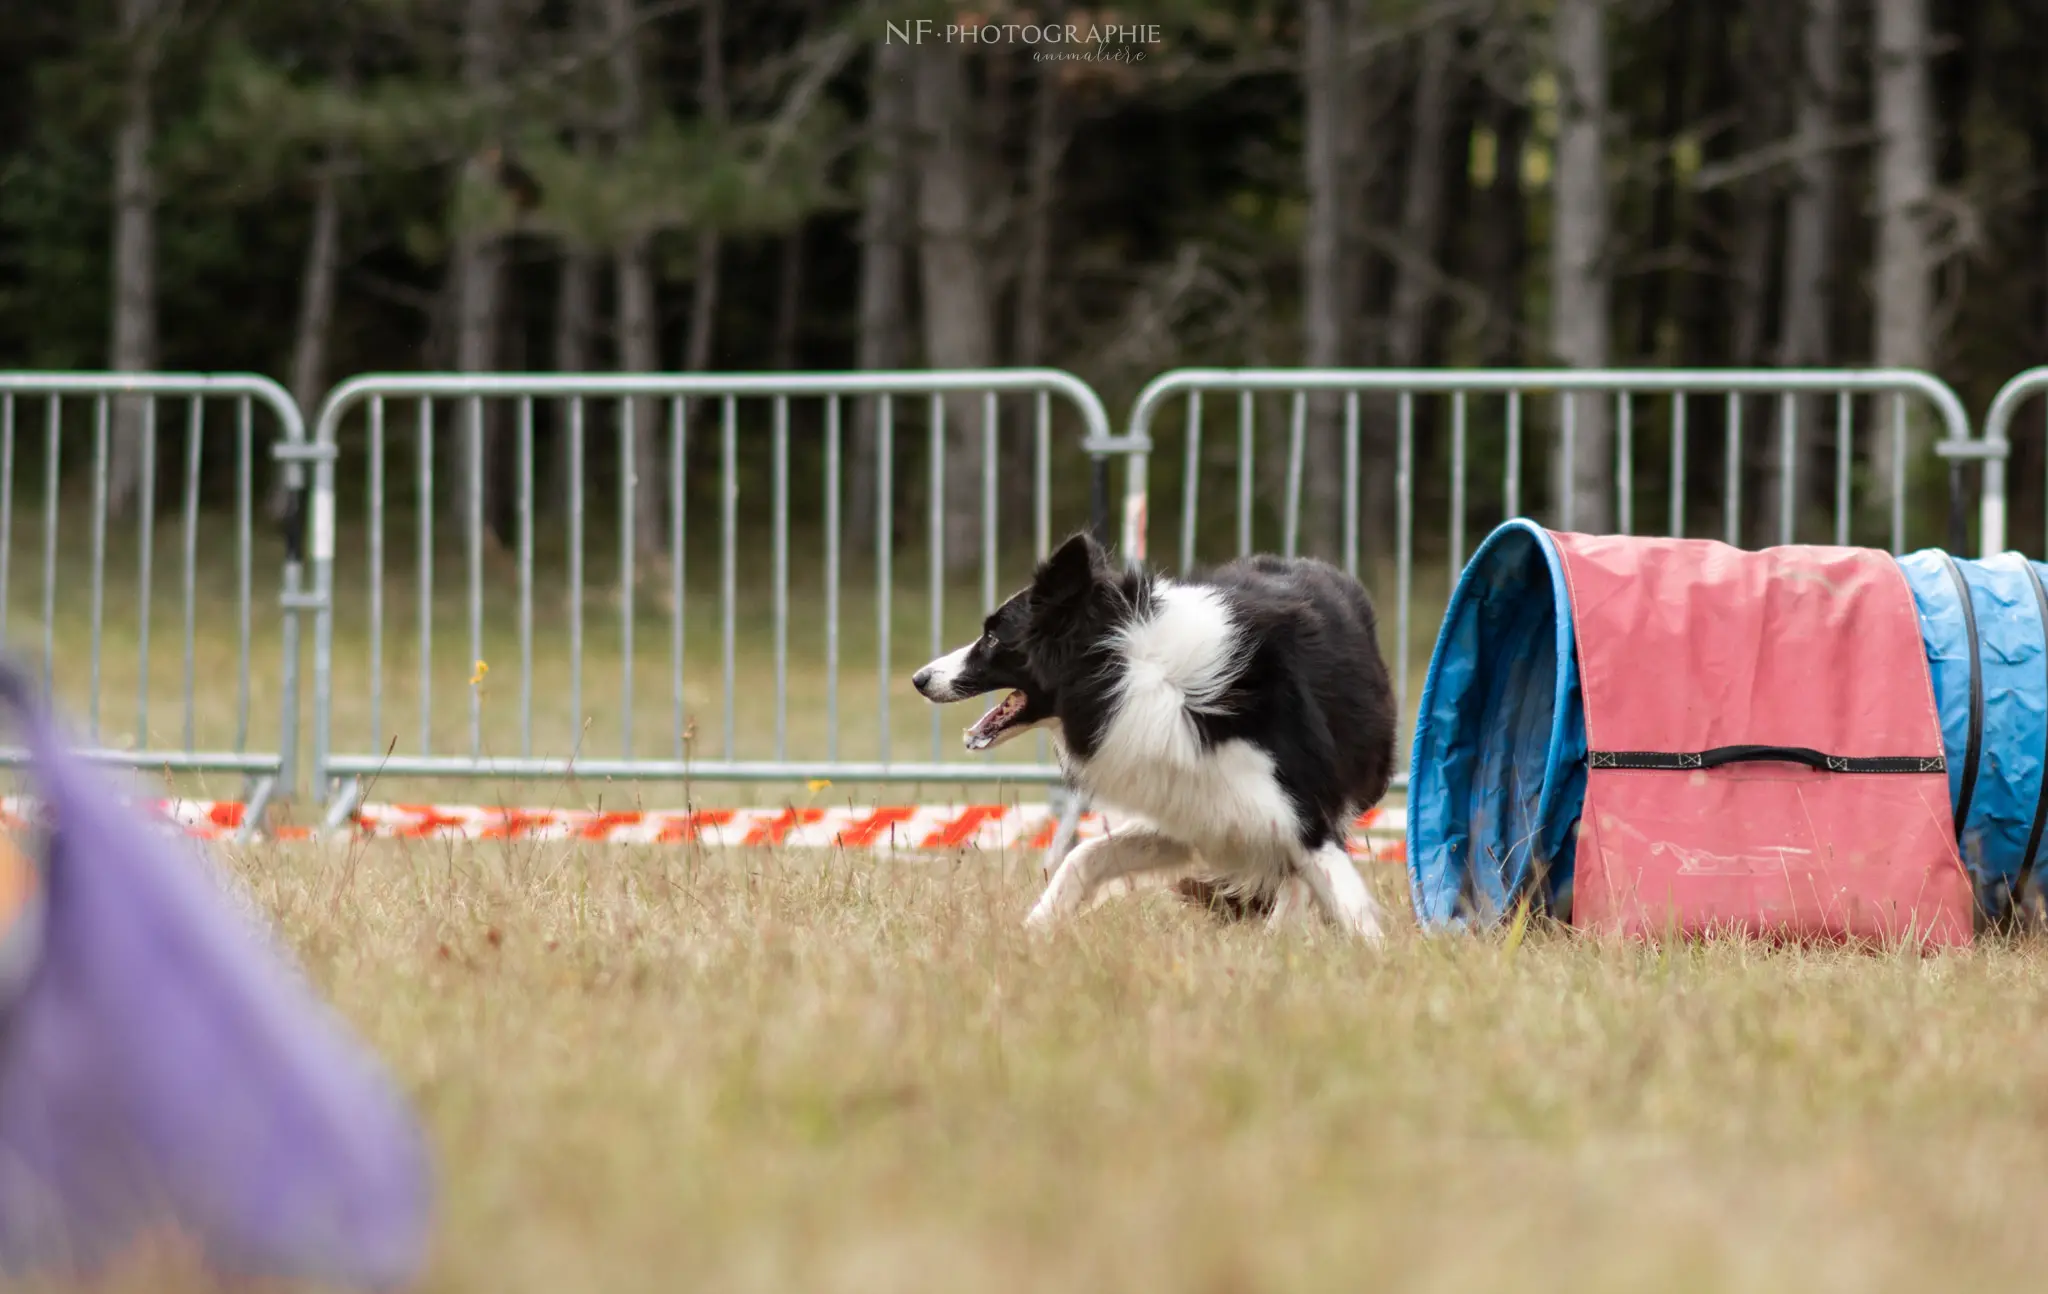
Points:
x=1499 y=770
x=1499 y=766
x=1988 y=660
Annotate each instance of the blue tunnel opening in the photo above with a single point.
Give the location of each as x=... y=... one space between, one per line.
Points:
x=1499 y=763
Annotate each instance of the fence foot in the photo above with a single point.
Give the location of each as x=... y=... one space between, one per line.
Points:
x=258 y=801
x=1071 y=805
x=346 y=801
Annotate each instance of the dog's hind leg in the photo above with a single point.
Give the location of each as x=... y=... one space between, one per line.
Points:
x=1340 y=891
x=1092 y=863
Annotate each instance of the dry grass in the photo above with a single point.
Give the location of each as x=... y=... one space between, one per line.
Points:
x=745 y=1071
x=752 y=1071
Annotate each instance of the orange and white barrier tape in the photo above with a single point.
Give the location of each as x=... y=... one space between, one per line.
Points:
x=1378 y=833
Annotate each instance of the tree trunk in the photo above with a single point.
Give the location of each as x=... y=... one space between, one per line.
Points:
x=1758 y=201
x=633 y=267
x=1422 y=222
x=1805 y=338
x=704 y=292
x=1805 y=332
x=1703 y=300
x=1754 y=234
x=1757 y=197
x=639 y=352
x=134 y=338
x=1904 y=272
x=703 y=304
x=1422 y=199
x=1375 y=100
x=316 y=310
x=789 y=300
x=478 y=269
x=575 y=291
x=1504 y=239
x=1706 y=323
x=316 y=297
x=1450 y=316
x=1954 y=79
x=477 y=263
x=1046 y=145
x=1050 y=133
x=478 y=257
x=1678 y=61
x=1327 y=308
x=1960 y=90
x=575 y=309
x=1579 y=287
x=885 y=215
x=959 y=315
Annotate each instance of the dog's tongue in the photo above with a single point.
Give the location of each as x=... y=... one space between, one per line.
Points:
x=986 y=729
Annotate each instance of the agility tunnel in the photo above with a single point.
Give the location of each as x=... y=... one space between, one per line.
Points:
x=1641 y=734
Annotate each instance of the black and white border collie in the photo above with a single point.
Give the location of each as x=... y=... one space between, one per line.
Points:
x=1244 y=713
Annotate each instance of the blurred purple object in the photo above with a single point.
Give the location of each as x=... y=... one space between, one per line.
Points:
x=166 y=1069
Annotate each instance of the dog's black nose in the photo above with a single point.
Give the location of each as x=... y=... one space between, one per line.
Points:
x=922 y=678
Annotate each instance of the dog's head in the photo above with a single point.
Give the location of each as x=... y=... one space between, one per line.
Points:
x=1029 y=644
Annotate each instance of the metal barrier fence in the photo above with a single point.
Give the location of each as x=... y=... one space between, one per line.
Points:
x=664 y=418
x=1364 y=392
x=1994 y=446
x=815 y=666
x=123 y=428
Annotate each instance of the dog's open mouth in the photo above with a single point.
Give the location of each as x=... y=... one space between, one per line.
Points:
x=1006 y=718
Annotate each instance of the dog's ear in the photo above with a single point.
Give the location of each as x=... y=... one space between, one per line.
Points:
x=1067 y=576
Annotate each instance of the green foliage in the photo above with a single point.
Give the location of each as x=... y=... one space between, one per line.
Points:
x=1178 y=207
x=676 y=175
x=260 y=126
x=53 y=250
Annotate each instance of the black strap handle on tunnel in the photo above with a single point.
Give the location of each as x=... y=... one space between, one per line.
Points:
x=1973 y=749
x=1677 y=761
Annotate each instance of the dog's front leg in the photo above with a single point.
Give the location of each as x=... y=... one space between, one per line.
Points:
x=1340 y=891
x=1093 y=863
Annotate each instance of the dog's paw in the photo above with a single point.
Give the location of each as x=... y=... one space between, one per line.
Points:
x=1044 y=912
x=1368 y=927
x=1054 y=906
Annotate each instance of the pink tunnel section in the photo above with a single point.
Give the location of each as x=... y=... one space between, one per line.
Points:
x=1689 y=646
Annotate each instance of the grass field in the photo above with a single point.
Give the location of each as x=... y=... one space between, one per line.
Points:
x=659 y=1070
x=751 y=1071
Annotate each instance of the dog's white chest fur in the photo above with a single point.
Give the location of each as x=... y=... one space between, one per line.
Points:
x=1225 y=801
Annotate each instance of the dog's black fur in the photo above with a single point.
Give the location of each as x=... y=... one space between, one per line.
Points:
x=1311 y=688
